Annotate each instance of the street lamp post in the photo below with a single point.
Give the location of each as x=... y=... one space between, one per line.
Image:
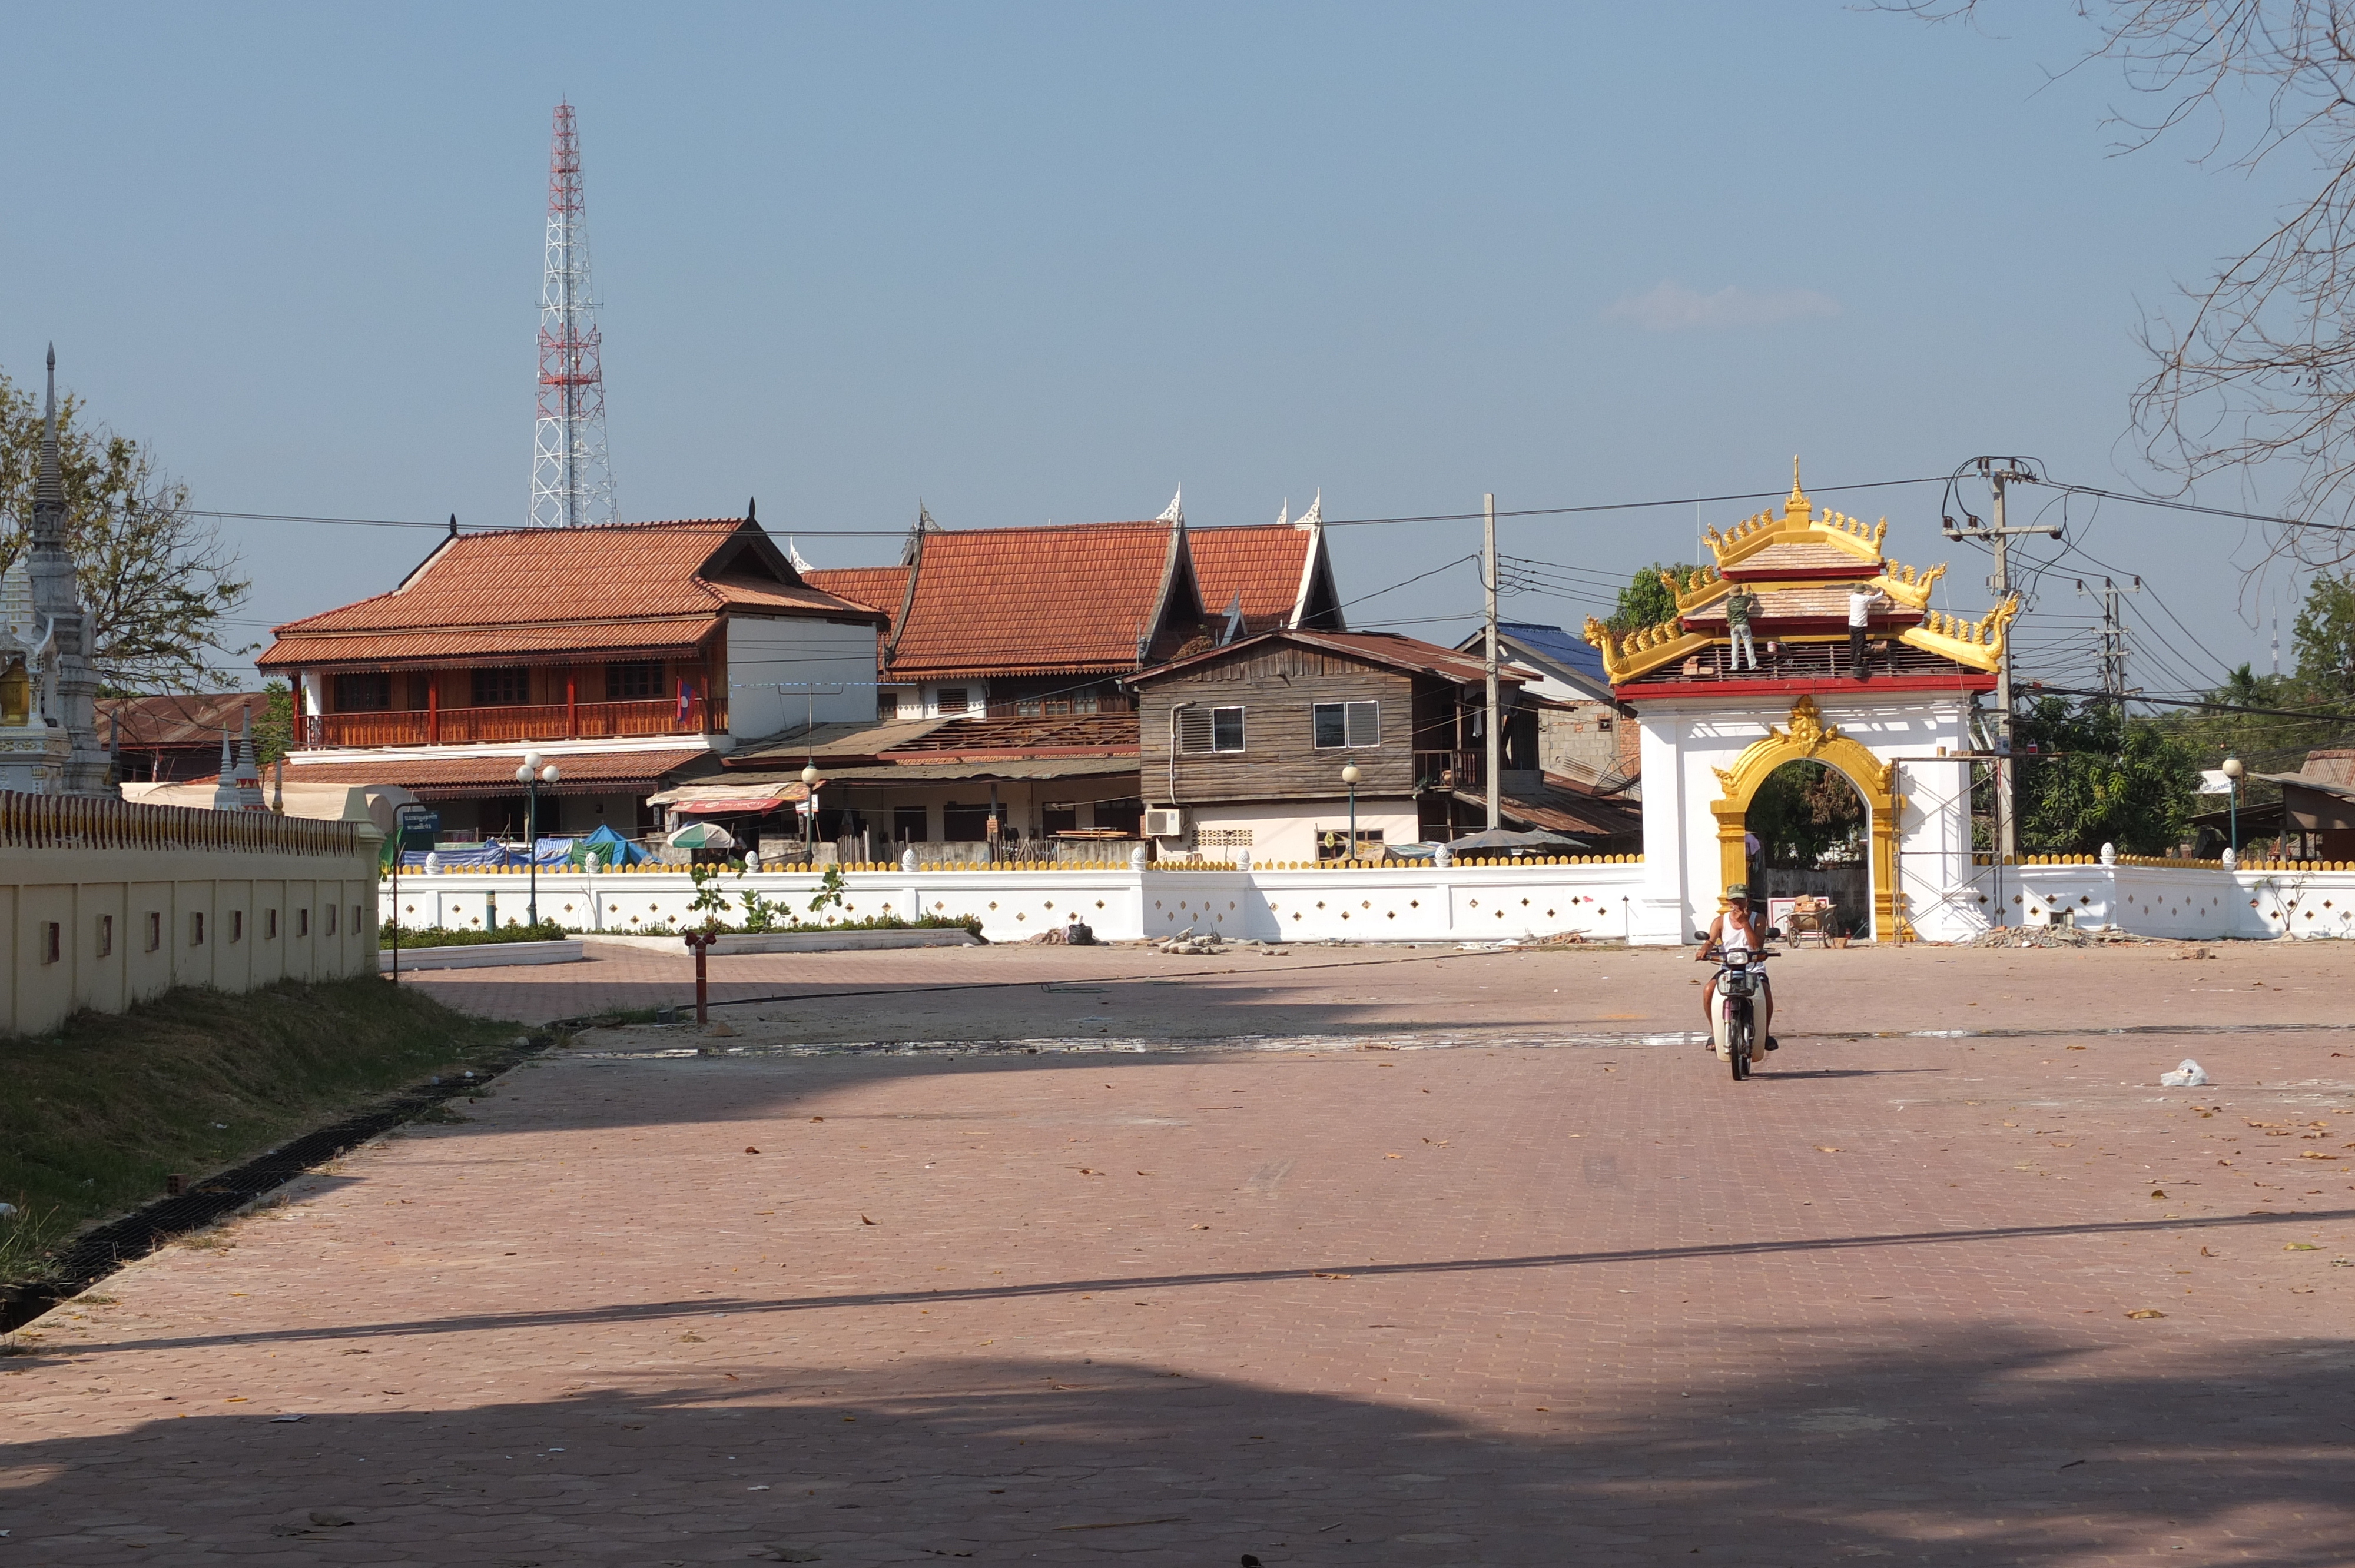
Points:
x=809 y=813
x=1349 y=776
x=2233 y=769
x=531 y=775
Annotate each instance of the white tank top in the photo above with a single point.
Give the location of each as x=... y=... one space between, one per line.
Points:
x=1740 y=931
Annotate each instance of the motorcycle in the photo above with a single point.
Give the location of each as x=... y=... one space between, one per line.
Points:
x=1733 y=1032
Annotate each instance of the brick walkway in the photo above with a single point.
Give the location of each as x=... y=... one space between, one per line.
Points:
x=1483 y=1304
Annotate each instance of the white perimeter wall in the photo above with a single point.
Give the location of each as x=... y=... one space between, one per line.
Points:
x=1681 y=750
x=1384 y=903
x=762 y=650
x=1288 y=829
x=2198 y=902
x=78 y=890
x=1375 y=904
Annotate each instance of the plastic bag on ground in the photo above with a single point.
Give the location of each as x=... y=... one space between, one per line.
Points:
x=2188 y=1075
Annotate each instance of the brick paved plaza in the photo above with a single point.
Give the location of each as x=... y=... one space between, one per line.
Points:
x=1345 y=1256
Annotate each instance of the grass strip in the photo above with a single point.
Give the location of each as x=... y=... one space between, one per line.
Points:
x=94 y=1117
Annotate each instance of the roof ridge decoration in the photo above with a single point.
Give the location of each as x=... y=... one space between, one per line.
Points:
x=1907 y=587
x=1977 y=643
x=1799 y=520
x=1643 y=650
x=1701 y=586
x=1175 y=510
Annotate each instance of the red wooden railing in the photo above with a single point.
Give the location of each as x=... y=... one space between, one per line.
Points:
x=539 y=720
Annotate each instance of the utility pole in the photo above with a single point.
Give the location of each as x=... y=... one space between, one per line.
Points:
x=1999 y=473
x=2113 y=635
x=1496 y=748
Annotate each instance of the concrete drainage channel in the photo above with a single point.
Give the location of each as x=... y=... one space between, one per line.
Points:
x=100 y=1252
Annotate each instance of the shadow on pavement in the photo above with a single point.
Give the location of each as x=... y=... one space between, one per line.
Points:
x=2301 y=1221
x=1994 y=1447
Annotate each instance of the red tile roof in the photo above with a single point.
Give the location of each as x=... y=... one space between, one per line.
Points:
x=1267 y=564
x=1077 y=599
x=877 y=587
x=583 y=773
x=652 y=586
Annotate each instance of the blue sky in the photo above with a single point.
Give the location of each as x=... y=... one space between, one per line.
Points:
x=1035 y=262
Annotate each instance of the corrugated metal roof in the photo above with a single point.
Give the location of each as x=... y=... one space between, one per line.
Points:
x=178 y=719
x=1387 y=648
x=1023 y=768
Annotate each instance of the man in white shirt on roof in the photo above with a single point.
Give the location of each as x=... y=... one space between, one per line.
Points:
x=1861 y=598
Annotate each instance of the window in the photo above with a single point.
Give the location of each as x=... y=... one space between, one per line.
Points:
x=364 y=693
x=52 y=942
x=154 y=929
x=270 y=925
x=196 y=930
x=1059 y=817
x=1210 y=729
x=106 y=936
x=964 y=824
x=358 y=923
x=628 y=683
x=952 y=699
x=1347 y=724
x=908 y=825
x=302 y=922
x=887 y=707
x=502 y=688
x=237 y=925
x=331 y=920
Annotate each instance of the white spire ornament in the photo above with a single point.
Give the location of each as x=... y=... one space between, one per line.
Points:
x=1175 y=510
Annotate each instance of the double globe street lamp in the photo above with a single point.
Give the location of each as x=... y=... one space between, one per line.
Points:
x=534 y=773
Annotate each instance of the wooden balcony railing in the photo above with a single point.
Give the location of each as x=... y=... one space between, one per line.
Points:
x=539 y=720
x=1449 y=769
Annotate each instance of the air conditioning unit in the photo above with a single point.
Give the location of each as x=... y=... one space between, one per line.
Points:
x=1164 y=822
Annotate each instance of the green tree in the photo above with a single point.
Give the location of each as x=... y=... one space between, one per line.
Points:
x=2324 y=636
x=273 y=729
x=2097 y=777
x=1645 y=600
x=158 y=581
x=1802 y=812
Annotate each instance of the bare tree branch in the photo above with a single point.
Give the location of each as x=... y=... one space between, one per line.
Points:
x=158 y=582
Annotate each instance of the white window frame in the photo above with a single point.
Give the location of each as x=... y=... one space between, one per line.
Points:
x=1348 y=744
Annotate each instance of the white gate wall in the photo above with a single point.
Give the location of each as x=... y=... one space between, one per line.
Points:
x=1379 y=903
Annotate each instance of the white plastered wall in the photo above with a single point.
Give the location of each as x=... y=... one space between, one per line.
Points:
x=1287 y=830
x=784 y=671
x=1683 y=744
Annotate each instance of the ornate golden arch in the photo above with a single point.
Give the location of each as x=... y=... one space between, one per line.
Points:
x=1809 y=738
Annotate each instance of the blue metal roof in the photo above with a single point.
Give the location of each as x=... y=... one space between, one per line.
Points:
x=1561 y=647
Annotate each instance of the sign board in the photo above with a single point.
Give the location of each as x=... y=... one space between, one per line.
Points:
x=419 y=826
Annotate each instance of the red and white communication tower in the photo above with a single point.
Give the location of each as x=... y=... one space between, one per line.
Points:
x=571 y=483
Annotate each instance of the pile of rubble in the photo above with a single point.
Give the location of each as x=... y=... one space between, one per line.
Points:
x=2060 y=936
x=1186 y=941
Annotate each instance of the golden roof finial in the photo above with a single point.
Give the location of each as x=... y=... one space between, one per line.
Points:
x=1798 y=508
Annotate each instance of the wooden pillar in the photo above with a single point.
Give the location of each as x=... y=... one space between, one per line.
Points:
x=572 y=704
x=433 y=708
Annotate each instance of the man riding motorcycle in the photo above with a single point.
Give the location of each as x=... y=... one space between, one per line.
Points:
x=1736 y=927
